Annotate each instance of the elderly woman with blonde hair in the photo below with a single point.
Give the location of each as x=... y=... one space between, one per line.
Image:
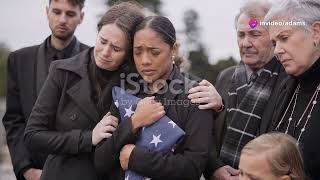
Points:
x=272 y=156
x=295 y=108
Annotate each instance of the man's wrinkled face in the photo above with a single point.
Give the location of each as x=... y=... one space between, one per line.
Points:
x=254 y=43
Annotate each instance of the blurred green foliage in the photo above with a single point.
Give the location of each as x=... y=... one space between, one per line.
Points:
x=4 y=51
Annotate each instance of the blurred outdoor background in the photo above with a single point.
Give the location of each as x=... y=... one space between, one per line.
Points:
x=205 y=30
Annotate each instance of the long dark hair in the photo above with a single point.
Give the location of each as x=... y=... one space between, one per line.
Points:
x=125 y=15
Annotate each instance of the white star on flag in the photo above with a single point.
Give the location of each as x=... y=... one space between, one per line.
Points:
x=116 y=103
x=172 y=123
x=156 y=140
x=127 y=178
x=150 y=136
x=129 y=112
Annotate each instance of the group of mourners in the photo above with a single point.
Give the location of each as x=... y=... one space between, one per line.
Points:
x=259 y=120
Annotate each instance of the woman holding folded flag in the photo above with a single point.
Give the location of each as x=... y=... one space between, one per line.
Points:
x=163 y=90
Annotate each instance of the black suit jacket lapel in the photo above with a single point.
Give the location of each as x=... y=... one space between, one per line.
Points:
x=41 y=67
x=41 y=70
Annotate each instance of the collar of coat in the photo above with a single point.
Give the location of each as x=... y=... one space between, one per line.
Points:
x=180 y=82
x=78 y=63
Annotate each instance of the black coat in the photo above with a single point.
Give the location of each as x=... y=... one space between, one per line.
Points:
x=63 y=118
x=308 y=81
x=186 y=162
x=22 y=83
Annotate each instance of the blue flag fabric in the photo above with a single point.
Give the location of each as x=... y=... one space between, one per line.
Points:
x=160 y=136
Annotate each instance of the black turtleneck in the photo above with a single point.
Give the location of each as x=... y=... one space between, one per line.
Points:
x=308 y=82
x=99 y=80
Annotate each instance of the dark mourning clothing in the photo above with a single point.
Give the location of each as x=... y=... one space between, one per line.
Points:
x=191 y=154
x=99 y=79
x=63 y=118
x=246 y=102
x=27 y=70
x=48 y=54
x=55 y=54
x=300 y=117
x=236 y=87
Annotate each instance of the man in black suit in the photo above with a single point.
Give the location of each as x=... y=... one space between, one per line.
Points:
x=27 y=71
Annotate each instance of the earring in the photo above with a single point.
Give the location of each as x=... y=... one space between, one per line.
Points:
x=173 y=57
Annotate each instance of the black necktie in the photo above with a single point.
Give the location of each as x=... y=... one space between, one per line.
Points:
x=58 y=55
x=252 y=78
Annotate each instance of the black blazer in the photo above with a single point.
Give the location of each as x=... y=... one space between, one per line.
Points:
x=308 y=141
x=63 y=118
x=21 y=96
x=191 y=154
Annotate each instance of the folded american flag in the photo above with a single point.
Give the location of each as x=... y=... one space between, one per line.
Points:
x=160 y=136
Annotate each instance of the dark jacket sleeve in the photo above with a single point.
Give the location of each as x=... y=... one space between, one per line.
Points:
x=107 y=151
x=222 y=85
x=214 y=162
x=14 y=122
x=40 y=133
x=189 y=163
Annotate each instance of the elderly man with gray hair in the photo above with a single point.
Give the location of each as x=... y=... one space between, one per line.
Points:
x=245 y=90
